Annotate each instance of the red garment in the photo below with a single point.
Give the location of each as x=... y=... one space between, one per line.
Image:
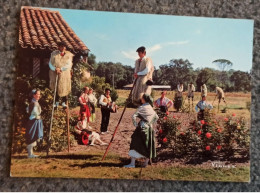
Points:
x=85 y=108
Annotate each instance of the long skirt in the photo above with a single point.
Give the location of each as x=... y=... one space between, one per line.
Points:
x=34 y=130
x=143 y=141
x=85 y=109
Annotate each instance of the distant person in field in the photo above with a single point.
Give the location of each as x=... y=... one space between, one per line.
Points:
x=204 y=91
x=92 y=103
x=143 y=139
x=60 y=65
x=163 y=103
x=220 y=95
x=191 y=90
x=178 y=97
x=34 y=126
x=143 y=73
x=201 y=106
x=180 y=89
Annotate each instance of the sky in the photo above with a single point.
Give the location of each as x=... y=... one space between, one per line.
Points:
x=114 y=37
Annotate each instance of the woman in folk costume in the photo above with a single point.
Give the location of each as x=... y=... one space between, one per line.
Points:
x=83 y=100
x=60 y=65
x=144 y=73
x=92 y=103
x=163 y=102
x=201 y=107
x=143 y=142
x=204 y=90
x=34 y=127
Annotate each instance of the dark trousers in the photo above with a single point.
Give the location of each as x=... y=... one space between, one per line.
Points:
x=63 y=99
x=92 y=107
x=200 y=115
x=105 y=119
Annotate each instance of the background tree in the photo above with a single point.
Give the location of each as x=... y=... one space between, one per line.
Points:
x=241 y=80
x=223 y=65
x=178 y=70
x=206 y=76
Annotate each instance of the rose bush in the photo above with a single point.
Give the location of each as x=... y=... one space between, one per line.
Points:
x=227 y=137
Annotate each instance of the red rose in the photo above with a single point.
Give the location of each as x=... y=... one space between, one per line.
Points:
x=233 y=114
x=202 y=122
x=219 y=130
x=167 y=113
x=208 y=148
x=199 y=132
x=164 y=118
x=226 y=119
x=160 y=131
x=208 y=135
x=174 y=116
x=165 y=140
x=219 y=147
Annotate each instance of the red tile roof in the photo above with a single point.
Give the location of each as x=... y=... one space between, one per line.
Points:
x=42 y=28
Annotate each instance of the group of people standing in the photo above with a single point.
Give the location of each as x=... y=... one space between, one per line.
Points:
x=143 y=139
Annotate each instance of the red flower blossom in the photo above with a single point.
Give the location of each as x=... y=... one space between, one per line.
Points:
x=219 y=130
x=202 y=122
x=167 y=113
x=199 y=132
x=219 y=147
x=164 y=118
x=160 y=131
x=174 y=116
x=182 y=133
x=208 y=135
x=226 y=119
x=233 y=114
x=165 y=140
x=207 y=147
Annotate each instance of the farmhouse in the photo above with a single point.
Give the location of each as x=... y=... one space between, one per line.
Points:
x=39 y=32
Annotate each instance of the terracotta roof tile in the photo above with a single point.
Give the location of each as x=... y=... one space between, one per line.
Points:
x=43 y=28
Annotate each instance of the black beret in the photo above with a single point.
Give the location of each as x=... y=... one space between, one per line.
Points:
x=141 y=49
x=61 y=44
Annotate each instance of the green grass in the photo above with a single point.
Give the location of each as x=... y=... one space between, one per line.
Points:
x=89 y=165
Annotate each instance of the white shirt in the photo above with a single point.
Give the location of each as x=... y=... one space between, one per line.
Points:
x=147 y=69
x=203 y=105
x=165 y=102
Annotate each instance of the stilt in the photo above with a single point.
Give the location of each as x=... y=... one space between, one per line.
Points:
x=68 y=125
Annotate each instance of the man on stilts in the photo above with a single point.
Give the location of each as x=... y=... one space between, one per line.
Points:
x=220 y=95
x=191 y=90
x=144 y=72
x=60 y=65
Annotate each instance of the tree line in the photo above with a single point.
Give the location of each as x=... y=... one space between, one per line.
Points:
x=177 y=71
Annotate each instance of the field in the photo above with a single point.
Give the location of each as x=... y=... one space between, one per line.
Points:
x=85 y=161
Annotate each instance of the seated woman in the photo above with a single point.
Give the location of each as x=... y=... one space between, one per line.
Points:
x=84 y=130
x=83 y=100
x=143 y=142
